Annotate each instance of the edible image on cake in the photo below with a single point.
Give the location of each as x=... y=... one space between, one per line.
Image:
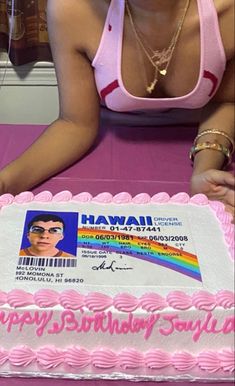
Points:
x=49 y=234
x=141 y=248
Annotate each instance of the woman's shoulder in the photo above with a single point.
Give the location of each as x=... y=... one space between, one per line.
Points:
x=225 y=10
x=76 y=9
x=80 y=20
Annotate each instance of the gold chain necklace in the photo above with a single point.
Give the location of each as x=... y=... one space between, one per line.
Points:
x=157 y=58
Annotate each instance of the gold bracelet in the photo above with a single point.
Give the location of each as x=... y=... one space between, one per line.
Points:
x=210 y=146
x=216 y=131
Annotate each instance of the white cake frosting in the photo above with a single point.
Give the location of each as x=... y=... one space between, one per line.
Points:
x=147 y=294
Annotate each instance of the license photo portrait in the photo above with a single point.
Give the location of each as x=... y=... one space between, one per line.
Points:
x=49 y=234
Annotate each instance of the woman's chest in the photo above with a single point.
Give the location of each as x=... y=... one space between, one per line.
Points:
x=136 y=69
x=172 y=70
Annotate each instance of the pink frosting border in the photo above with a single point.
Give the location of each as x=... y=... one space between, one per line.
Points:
x=76 y=357
x=95 y=301
x=125 y=198
x=150 y=302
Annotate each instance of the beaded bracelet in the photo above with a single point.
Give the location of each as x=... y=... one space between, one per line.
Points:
x=211 y=146
x=216 y=131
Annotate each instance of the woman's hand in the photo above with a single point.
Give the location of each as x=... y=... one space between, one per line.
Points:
x=216 y=185
x=1 y=186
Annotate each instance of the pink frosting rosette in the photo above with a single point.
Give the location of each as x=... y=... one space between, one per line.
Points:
x=227 y=360
x=104 y=358
x=83 y=197
x=122 y=198
x=49 y=357
x=6 y=199
x=180 y=198
x=160 y=198
x=19 y=298
x=96 y=301
x=24 y=197
x=46 y=298
x=71 y=299
x=183 y=361
x=21 y=356
x=130 y=358
x=225 y=299
x=157 y=359
x=45 y=196
x=203 y=300
x=179 y=300
x=104 y=198
x=64 y=196
x=77 y=357
x=151 y=302
x=3 y=356
x=142 y=198
x=3 y=298
x=125 y=302
x=209 y=361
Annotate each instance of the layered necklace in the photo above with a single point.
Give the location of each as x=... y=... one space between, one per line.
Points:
x=159 y=59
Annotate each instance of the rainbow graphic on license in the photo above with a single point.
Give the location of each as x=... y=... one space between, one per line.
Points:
x=141 y=248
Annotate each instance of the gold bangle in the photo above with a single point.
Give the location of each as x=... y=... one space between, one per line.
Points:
x=210 y=146
x=216 y=131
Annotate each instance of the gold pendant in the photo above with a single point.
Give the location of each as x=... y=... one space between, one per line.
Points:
x=152 y=86
x=163 y=72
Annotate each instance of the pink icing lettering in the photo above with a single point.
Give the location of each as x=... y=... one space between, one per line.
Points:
x=66 y=317
x=134 y=325
x=41 y=320
x=112 y=325
x=25 y=318
x=70 y=319
x=15 y=318
x=208 y=325
x=137 y=325
x=212 y=328
x=149 y=323
x=85 y=324
x=106 y=323
x=126 y=325
x=195 y=326
x=170 y=330
x=189 y=325
x=202 y=328
x=12 y=319
x=56 y=328
x=181 y=325
x=229 y=325
x=99 y=321
x=2 y=318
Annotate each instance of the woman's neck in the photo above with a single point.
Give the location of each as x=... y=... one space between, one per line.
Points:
x=163 y=12
x=156 y=5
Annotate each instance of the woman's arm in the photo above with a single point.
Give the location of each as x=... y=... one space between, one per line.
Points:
x=208 y=175
x=72 y=134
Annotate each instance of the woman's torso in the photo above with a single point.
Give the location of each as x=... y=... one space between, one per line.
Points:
x=185 y=70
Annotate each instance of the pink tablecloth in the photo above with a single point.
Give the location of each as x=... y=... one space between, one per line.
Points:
x=60 y=382
x=125 y=159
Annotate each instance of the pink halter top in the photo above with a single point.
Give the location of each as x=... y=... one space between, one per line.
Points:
x=107 y=64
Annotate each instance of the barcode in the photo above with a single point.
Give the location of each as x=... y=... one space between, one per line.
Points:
x=46 y=262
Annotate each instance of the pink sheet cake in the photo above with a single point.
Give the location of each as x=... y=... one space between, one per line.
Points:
x=116 y=287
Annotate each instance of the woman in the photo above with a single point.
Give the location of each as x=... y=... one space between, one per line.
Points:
x=144 y=56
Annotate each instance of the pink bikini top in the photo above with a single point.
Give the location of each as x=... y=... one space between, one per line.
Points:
x=107 y=64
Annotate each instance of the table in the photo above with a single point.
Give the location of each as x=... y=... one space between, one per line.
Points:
x=133 y=159
x=124 y=159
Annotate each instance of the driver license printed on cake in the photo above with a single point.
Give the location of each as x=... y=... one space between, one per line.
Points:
x=120 y=247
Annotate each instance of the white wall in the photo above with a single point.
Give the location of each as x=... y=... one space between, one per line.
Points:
x=28 y=94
